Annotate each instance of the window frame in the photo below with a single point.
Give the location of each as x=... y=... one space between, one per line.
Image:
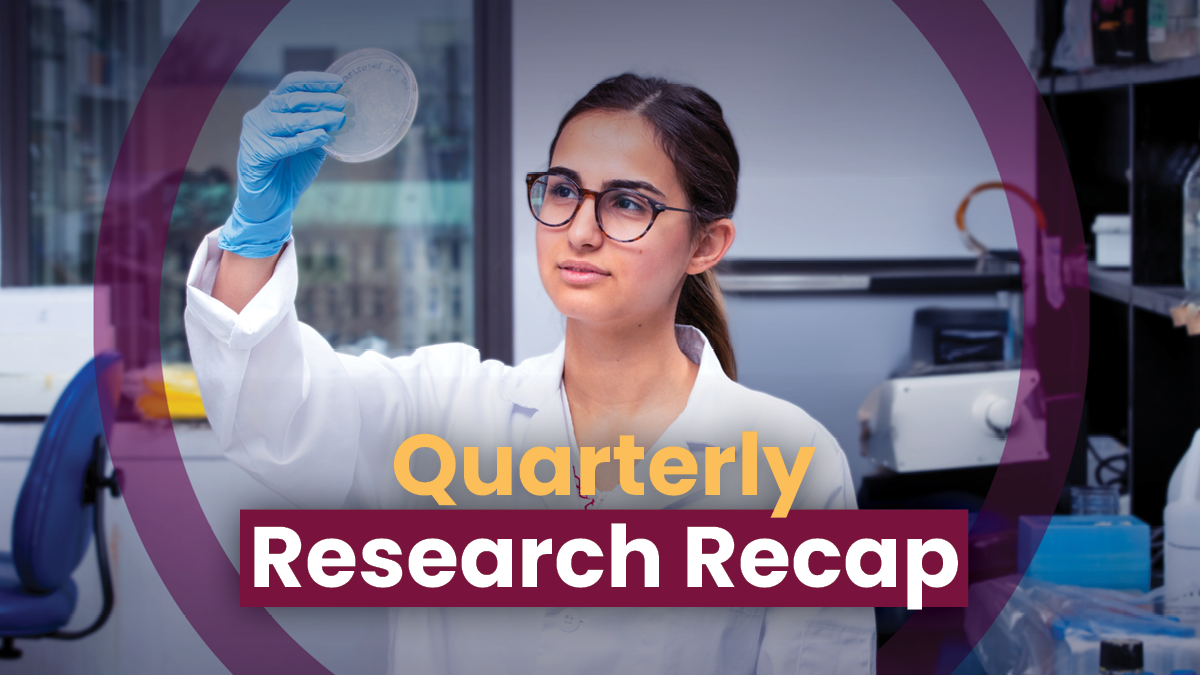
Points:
x=493 y=182
x=14 y=133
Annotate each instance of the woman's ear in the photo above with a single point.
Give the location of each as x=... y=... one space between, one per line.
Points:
x=713 y=244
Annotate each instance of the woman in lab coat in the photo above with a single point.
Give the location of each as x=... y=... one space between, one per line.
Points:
x=631 y=217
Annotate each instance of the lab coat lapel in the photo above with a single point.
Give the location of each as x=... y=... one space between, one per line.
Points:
x=536 y=385
x=696 y=428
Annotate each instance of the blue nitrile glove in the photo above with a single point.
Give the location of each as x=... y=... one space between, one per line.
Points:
x=279 y=156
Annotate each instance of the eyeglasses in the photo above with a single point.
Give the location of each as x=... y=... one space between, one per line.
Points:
x=623 y=215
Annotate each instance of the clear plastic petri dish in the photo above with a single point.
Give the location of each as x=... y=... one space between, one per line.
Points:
x=382 y=102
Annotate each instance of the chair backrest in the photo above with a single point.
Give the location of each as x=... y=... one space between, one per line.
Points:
x=52 y=525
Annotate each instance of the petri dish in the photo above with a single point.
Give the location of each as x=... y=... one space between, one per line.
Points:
x=382 y=101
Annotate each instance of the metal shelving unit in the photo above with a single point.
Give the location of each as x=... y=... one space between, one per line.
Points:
x=936 y=276
x=1118 y=285
x=1129 y=134
x=1123 y=76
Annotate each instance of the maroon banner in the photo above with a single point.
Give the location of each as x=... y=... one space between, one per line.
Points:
x=552 y=558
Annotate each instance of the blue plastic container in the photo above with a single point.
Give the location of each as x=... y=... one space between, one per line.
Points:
x=1091 y=551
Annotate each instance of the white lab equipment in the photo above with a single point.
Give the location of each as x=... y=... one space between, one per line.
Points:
x=960 y=420
x=957 y=401
x=47 y=335
x=1181 y=539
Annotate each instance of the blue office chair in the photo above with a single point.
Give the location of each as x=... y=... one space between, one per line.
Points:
x=61 y=499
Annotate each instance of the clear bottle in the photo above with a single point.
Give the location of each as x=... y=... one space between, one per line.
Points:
x=1121 y=657
x=1095 y=501
x=1172 y=29
x=1191 y=228
x=1181 y=539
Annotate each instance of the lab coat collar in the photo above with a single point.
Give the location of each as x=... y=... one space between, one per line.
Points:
x=536 y=384
x=536 y=381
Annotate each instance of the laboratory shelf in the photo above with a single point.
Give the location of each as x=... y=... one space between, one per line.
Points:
x=1119 y=76
x=886 y=276
x=1118 y=285
x=1128 y=135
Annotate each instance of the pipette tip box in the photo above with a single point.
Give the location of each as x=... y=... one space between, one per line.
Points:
x=1092 y=551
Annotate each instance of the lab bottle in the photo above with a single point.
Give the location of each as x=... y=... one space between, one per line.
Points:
x=1181 y=539
x=1191 y=228
x=1121 y=657
x=1104 y=500
x=1172 y=29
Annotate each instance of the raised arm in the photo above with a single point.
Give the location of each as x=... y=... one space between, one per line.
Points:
x=279 y=154
x=319 y=427
x=240 y=279
x=282 y=403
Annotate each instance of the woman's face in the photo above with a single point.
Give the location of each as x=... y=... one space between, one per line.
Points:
x=590 y=277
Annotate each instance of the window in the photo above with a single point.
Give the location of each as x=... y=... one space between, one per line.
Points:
x=379 y=244
x=356 y=219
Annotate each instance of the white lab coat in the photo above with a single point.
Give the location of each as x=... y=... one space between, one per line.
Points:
x=321 y=428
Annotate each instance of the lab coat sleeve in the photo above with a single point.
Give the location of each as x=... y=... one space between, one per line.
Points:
x=285 y=407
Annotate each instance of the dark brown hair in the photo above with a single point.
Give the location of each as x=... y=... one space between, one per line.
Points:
x=692 y=131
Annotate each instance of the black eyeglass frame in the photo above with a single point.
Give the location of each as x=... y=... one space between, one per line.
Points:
x=656 y=206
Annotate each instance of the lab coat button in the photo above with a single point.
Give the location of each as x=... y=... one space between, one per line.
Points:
x=569 y=623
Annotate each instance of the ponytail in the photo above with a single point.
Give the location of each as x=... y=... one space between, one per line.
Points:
x=701 y=306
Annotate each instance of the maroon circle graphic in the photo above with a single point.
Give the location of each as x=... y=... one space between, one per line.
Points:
x=132 y=239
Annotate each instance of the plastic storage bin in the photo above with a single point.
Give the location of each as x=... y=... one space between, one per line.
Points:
x=1091 y=551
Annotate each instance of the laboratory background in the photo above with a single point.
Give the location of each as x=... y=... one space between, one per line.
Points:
x=875 y=281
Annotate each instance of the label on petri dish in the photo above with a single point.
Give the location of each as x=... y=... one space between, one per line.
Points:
x=381 y=94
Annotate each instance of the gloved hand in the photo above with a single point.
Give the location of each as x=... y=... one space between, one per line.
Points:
x=279 y=156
